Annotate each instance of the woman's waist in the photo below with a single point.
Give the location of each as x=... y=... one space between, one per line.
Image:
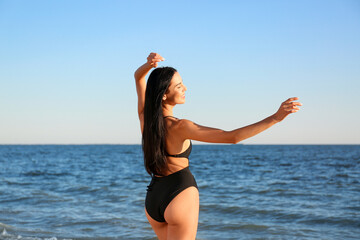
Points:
x=173 y=167
x=180 y=178
x=174 y=173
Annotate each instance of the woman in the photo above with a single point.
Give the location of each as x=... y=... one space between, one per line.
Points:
x=172 y=200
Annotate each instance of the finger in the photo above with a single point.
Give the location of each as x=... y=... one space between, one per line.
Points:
x=292 y=108
x=153 y=55
x=293 y=104
x=289 y=105
x=160 y=58
x=157 y=56
x=157 y=60
x=291 y=99
x=153 y=63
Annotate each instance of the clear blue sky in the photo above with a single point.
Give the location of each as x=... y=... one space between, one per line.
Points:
x=66 y=67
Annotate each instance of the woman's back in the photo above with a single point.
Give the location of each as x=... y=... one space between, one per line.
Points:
x=176 y=146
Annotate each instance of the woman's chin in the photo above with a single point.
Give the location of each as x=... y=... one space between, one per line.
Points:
x=181 y=101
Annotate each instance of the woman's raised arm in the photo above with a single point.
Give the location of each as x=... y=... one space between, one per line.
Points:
x=189 y=130
x=140 y=74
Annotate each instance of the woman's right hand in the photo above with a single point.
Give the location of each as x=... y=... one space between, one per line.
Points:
x=153 y=59
x=286 y=108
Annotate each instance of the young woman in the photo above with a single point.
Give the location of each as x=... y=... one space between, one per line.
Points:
x=172 y=200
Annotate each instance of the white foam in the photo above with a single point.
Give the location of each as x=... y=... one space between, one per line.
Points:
x=6 y=236
x=4 y=233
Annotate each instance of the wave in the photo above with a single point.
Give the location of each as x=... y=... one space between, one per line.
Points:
x=4 y=235
x=36 y=173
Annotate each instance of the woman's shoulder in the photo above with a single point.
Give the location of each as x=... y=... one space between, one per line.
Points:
x=182 y=125
x=178 y=123
x=178 y=128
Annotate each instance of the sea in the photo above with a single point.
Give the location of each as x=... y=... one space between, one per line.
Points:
x=53 y=192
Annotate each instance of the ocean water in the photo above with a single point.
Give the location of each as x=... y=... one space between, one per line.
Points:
x=246 y=192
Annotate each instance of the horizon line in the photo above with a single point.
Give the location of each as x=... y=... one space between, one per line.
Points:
x=3 y=144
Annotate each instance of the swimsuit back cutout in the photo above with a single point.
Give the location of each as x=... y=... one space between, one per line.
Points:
x=184 y=154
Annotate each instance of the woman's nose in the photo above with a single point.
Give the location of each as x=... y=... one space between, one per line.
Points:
x=185 y=88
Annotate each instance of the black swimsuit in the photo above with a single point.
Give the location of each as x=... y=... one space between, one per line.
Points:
x=162 y=190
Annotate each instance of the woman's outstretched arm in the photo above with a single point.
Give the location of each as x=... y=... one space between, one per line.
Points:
x=190 y=130
x=140 y=74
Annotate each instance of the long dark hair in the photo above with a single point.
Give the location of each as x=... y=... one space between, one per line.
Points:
x=153 y=137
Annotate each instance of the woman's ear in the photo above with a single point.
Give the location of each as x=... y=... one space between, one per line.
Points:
x=164 y=97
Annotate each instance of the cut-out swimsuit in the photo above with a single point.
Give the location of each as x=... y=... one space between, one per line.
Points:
x=162 y=190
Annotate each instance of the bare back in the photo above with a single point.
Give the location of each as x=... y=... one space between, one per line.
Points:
x=175 y=145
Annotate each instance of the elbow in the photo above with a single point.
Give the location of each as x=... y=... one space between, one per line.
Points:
x=235 y=140
x=230 y=138
x=137 y=75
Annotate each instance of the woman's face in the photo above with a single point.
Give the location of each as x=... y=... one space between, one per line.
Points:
x=176 y=91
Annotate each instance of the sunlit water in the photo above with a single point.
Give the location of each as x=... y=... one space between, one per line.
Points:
x=246 y=192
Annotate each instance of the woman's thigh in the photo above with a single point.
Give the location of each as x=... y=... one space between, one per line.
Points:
x=182 y=215
x=160 y=228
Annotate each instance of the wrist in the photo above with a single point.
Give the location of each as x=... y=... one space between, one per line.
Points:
x=275 y=119
x=148 y=65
